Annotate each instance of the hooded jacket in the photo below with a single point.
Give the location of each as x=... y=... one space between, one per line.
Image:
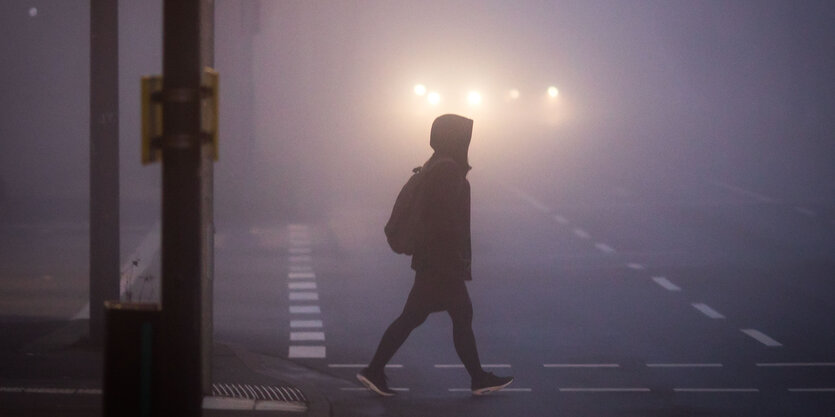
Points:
x=445 y=250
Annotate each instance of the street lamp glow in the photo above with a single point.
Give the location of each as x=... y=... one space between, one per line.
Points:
x=420 y=89
x=474 y=98
x=433 y=98
x=553 y=92
x=513 y=94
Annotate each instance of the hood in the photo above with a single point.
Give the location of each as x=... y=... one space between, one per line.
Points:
x=451 y=136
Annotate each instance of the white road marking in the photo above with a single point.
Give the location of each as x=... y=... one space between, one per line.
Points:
x=582 y=234
x=300 y=259
x=743 y=191
x=664 y=282
x=635 y=266
x=11 y=389
x=761 y=337
x=560 y=219
x=301 y=275
x=604 y=248
x=716 y=390
x=708 y=311
x=300 y=268
x=300 y=324
x=62 y=391
x=89 y=391
x=581 y=365
x=305 y=310
x=298 y=227
x=300 y=251
x=811 y=389
x=366 y=389
x=307 y=336
x=304 y=296
x=223 y=403
x=789 y=364
x=570 y=389
x=684 y=365
x=314 y=352
x=502 y=390
x=532 y=201
x=487 y=365
x=359 y=365
x=49 y=390
x=301 y=285
x=805 y=211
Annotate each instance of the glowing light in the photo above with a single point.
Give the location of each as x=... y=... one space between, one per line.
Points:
x=513 y=94
x=474 y=98
x=434 y=98
x=33 y=12
x=420 y=89
x=553 y=92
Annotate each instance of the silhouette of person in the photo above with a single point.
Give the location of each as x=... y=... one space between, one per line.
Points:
x=441 y=260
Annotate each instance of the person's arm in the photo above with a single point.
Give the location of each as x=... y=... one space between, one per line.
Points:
x=444 y=223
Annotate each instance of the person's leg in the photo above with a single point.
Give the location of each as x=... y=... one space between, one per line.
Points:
x=413 y=315
x=461 y=312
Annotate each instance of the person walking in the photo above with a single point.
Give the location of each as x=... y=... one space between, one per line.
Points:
x=442 y=260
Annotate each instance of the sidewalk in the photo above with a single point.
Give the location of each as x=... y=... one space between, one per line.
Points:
x=46 y=369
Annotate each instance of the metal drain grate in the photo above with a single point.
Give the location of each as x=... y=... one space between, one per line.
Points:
x=259 y=392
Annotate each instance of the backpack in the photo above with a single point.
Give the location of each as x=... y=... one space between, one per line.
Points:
x=404 y=225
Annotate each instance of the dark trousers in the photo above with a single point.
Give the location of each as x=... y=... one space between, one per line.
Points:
x=429 y=295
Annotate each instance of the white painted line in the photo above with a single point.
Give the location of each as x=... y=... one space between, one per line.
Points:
x=635 y=266
x=582 y=234
x=300 y=259
x=366 y=389
x=484 y=365
x=604 y=248
x=811 y=389
x=307 y=336
x=301 y=243
x=300 y=251
x=315 y=352
x=604 y=389
x=799 y=364
x=89 y=391
x=226 y=403
x=532 y=201
x=502 y=390
x=305 y=310
x=805 y=211
x=761 y=337
x=11 y=389
x=304 y=296
x=359 y=365
x=301 y=285
x=666 y=284
x=716 y=390
x=301 y=275
x=684 y=365
x=743 y=191
x=299 y=324
x=291 y=406
x=708 y=311
x=61 y=391
x=300 y=268
x=581 y=365
x=560 y=219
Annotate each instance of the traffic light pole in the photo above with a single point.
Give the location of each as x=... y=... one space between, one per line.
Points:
x=187 y=226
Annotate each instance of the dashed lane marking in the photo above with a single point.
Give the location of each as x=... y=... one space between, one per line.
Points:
x=400 y=389
x=305 y=310
x=312 y=352
x=684 y=365
x=300 y=259
x=360 y=365
x=614 y=389
x=581 y=365
x=798 y=364
x=301 y=268
x=604 y=248
x=307 y=336
x=666 y=284
x=761 y=337
x=502 y=390
x=300 y=251
x=635 y=266
x=756 y=196
x=51 y=390
x=301 y=285
x=458 y=365
x=304 y=296
x=708 y=311
x=582 y=234
x=811 y=389
x=301 y=275
x=300 y=324
x=560 y=219
x=716 y=390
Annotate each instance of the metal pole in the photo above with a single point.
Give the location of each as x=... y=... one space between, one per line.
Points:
x=104 y=161
x=184 y=216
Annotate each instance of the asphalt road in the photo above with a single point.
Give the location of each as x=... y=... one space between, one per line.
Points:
x=608 y=296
